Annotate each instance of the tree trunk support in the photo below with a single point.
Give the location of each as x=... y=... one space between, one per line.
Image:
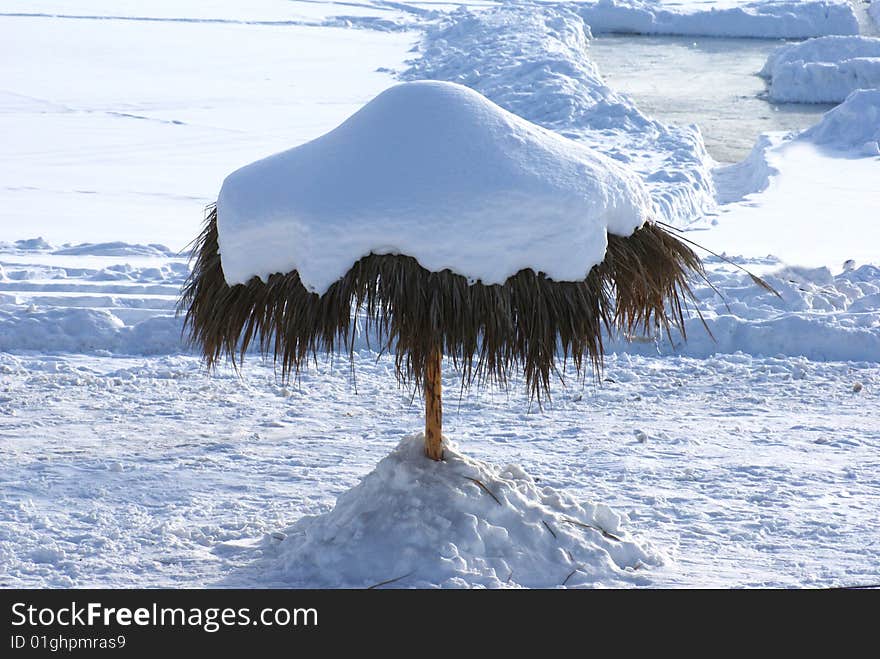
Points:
x=434 y=406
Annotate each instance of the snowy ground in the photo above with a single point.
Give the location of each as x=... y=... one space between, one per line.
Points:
x=741 y=471
x=161 y=127
x=126 y=464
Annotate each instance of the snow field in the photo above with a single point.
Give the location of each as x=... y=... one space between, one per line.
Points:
x=135 y=149
x=90 y=298
x=148 y=472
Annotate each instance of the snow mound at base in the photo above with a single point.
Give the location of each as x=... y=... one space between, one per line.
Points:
x=823 y=70
x=458 y=523
x=435 y=171
x=854 y=125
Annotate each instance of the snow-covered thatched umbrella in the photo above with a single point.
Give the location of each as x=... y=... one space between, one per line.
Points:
x=454 y=227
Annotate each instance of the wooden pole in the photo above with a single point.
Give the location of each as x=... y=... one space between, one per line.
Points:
x=434 y=406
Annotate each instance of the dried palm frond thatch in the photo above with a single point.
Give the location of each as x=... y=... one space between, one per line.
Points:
x=489 y=331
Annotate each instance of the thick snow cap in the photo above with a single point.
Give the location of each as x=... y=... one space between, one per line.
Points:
x=435 y=171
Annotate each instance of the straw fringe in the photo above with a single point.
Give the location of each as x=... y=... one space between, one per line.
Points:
x=490 y=332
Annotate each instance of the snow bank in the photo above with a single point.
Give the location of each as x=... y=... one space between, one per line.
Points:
x=824 y=82
x=826 y=173
x=435 y=171
x=737 y=181
x=791 y=19
x=820 y=316
x=114 y=298
x=823 y=49
x=555 y=84
x=854 y=125
x=86 y=304
x=86 y=330
x=29 y=244
x=823 y=70
x=459 y=523
x=874 y=11
x=115 y=248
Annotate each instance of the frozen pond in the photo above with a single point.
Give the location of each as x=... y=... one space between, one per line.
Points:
x=711 y=82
